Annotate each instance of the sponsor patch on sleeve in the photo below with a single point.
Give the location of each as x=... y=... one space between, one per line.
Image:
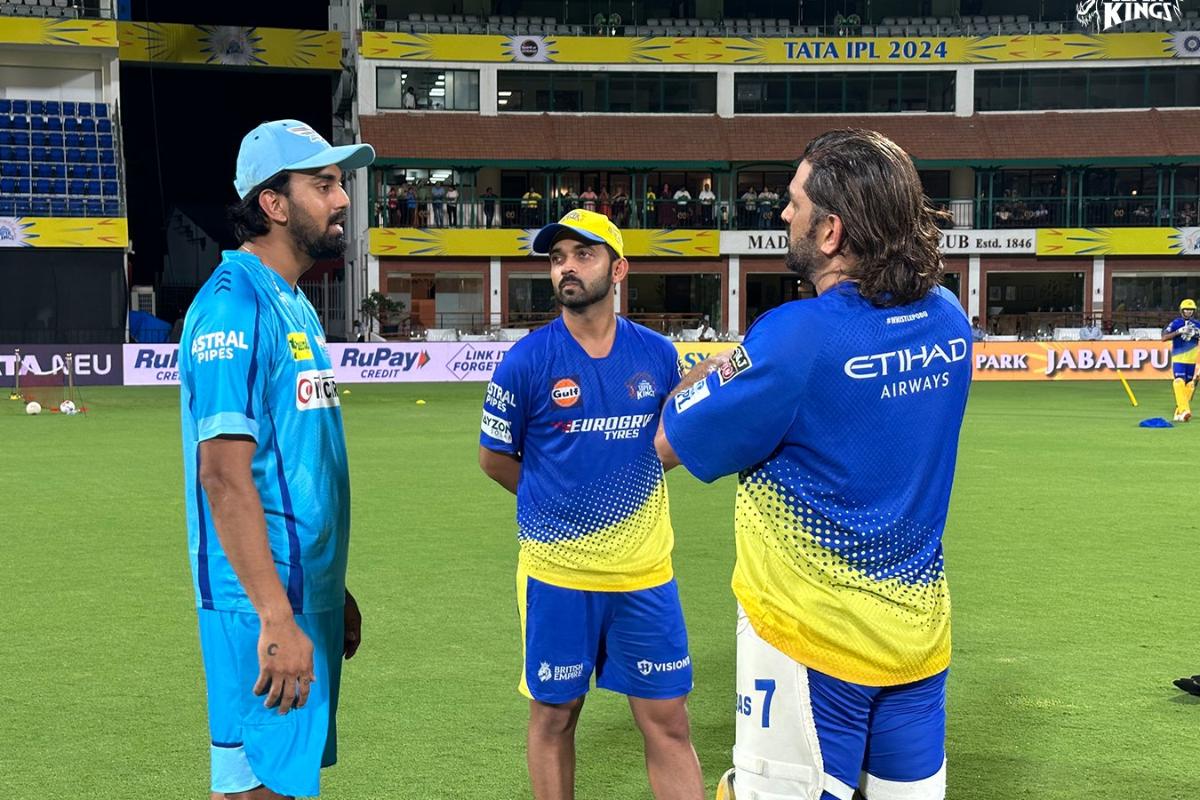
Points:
x=301 y=349
x=738 y=363
x=691 y=396
x=496 y=427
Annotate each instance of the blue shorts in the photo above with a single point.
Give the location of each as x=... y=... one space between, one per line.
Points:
x=1185 y=371
x=803 y=733
x=635 y=642
x=255 y=746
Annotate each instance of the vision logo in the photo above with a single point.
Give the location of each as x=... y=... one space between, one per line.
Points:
x=1103 y=15
x=565 y=393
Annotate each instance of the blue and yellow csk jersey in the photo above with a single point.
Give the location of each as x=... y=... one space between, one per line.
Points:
x=1183 y=350
x=252 y=362
x=592 y=510
x=842 y=421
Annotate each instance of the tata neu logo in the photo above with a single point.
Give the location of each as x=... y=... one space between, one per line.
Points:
x=565 y=392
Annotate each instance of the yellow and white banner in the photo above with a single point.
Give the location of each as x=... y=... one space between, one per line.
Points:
x=778 y=50
x=510 y=242
x=230 y=46
x=63 y=232
x=58 y=32
x=1118 y=242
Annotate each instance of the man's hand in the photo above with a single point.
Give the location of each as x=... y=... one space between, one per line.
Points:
x=702 y=371
x=353 y=627
x=285 y=665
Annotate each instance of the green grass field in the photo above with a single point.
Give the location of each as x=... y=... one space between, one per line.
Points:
x=1069 y=553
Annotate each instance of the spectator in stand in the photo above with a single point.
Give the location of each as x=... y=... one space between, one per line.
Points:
x=766 y=208
x=452 y=205
x=410 y=98
x=570 y=200
x=977 y=331
x=747 y=213
x=424 y=204
x=1091 y=332
x=439 y=205
x=531 y=203
x=392 y=207
x=588 y=199
x=683 y=207
x=1187 y=215
x=666 y=214
x=707 y=200
x=649 y=208
x=410 y=215
x=489 y=207
x=605 y=202
x=620 y=207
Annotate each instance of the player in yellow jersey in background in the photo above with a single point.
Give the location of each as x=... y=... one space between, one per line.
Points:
x=1184 y=335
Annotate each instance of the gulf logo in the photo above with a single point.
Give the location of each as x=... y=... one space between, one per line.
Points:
x=565 y=393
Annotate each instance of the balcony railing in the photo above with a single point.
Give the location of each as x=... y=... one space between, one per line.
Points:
x=1087 y=212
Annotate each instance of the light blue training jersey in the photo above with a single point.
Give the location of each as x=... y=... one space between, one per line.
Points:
x=252 y=362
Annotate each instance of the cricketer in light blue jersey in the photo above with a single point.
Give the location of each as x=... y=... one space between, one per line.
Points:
x=266 y=481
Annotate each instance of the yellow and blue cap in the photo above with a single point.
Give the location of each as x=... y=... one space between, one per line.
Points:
x=288 y=144
x=1189 y=303
x=587 y=224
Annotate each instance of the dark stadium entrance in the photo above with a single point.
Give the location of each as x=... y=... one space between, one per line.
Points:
x=766 y=291
x=1033 y=304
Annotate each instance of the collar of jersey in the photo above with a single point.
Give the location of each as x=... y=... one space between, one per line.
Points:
x=256 y=263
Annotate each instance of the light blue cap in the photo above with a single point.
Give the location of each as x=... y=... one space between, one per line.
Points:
x=290 y=144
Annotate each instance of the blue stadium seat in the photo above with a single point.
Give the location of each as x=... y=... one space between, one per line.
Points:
x=41 y=170
x=5 y=152
x=22 y=186
x=54 y=139
x=87 y=140
x=112 y=208
x=40 y=207
x=54 y=124
x=93 y=188
x=20 y=138
x=76 y=171
x=7 y=207
x=5 y=137
x=18 y=122
x=95 y=208
x=38 y=123
x=104 y=126
x=5 y=106
x=70 y=124
x=38 y=154
x=74 y=155
x=20 y=153
x=20 y=106
x=102 y=110
x=36 y=107
x=21 y=207
x=41 y=185
x=75 y=207
x=106 y=140
x=68 y=109
x=72 y=139
x=88 y=125
x=109 y=172
x=37 y=139
x=78 y=187
x=89 y=157
x=7 y=186
x=110 y=188
x=54 y=154
x=58 y=206
x=108 y=157
x=53 y=108
x=84 y=109
x=8 y=170
x=59 y=186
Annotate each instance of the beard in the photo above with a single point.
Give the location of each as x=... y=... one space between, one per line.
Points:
x=803 y=257
x=590 y=295
x=315 y=240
